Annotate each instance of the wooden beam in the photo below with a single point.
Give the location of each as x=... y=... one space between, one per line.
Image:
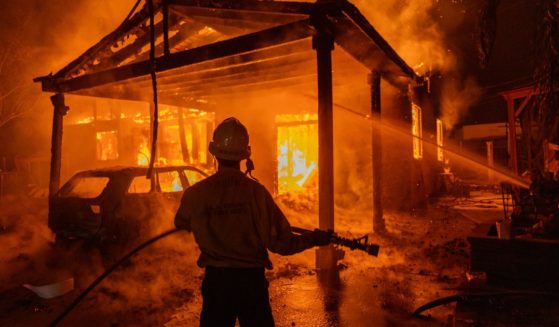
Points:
x=246 y=25
x=130 y=50
x=323 y=43
x=90 y=54
x=285 y=51
x=245 y=43
x=361 y=23
x=520 y=92
x=286 y=8
x=376 y=139
x=237 y=80
x=254 y=85
x=523 y=105
x=165 y=10
x=292 y=66
x=60 y=110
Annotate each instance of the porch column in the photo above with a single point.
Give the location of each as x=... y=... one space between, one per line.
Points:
x=323 y=43
x=182 y=137
x=490 y=161
x=60 y=109
x=378 y=219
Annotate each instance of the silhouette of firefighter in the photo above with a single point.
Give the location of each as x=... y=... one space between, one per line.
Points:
x=235 y=221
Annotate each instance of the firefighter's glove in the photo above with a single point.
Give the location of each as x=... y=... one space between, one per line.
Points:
x=321 y=237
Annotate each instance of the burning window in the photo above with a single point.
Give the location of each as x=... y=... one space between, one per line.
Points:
x=440 y=139
x=193 y=176
x=297 y=150
x=169 y=181
x=107 y=145
x=177 y=145
x=142 y=157
x=417 y=132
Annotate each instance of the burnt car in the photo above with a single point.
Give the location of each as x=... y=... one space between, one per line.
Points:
x=119 y=204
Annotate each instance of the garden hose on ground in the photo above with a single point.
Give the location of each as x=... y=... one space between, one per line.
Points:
x=115 y=265
x=360 y=244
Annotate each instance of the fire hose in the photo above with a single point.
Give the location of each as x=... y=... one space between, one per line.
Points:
x=353 y=244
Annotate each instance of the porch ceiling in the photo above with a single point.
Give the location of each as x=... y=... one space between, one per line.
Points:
x=216 y=48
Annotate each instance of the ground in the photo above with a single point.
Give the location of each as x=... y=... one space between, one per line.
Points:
x=423 y=256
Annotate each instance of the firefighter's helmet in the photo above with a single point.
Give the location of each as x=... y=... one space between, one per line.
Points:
x=230 y=141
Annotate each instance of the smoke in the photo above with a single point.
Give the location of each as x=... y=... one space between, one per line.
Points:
x=39 y=37
x=419 y=31
x=143 y=291
x=456 y=96
x=411 y=30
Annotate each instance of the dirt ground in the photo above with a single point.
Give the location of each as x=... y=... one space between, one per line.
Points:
x=423 y=256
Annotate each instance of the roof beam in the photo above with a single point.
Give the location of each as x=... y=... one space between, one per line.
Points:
x=256 y=17
x=124 y=28
x=245 y=43
x=353 y=14
x=285 y=50
x=281 y=82
x=287 y=63
x=241 y=77
x=287 y=8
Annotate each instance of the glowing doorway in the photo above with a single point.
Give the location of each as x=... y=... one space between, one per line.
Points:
x=297 y=149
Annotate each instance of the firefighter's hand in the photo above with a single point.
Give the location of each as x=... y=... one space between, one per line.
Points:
x=321 y=237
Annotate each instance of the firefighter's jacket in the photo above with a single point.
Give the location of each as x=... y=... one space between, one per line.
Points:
x=235 y=220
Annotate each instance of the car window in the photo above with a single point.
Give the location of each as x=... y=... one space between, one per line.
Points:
x=87 y=187
x=170 y=181
x=193 y=176
x=140 y=184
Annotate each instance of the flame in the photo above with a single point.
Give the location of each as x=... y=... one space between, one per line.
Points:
x=176 y=185
x=143 y=155
x=85 y=120
x=297 y=151
x=440 y=140
x=417 y=131
x=107 y=145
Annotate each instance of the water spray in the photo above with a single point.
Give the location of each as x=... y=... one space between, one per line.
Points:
x=507 y=174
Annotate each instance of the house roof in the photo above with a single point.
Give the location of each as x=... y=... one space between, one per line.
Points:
x=208 y=48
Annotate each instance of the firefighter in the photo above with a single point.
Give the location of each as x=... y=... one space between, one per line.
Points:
x=235 y=221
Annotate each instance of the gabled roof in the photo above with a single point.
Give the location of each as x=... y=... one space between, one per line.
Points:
x=215 y=47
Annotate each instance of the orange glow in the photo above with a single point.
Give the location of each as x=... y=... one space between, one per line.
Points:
x=107 y=145
x=176 y=185
x=440 y=140
x=297 y=149
x=85 y=120
x=417 y=131
x=143 y=155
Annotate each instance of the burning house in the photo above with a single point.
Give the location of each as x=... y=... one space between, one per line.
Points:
x=291 y=70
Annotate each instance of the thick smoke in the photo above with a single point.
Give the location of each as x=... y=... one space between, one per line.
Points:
x=415 y=31
x=40 y=37
x=411 y=30
x=456 y=97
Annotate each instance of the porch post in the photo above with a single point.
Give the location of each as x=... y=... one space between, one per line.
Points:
x=378 y=219
x=60 y=109
x=323 y=43
x=182 y=137
x=490 y=161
